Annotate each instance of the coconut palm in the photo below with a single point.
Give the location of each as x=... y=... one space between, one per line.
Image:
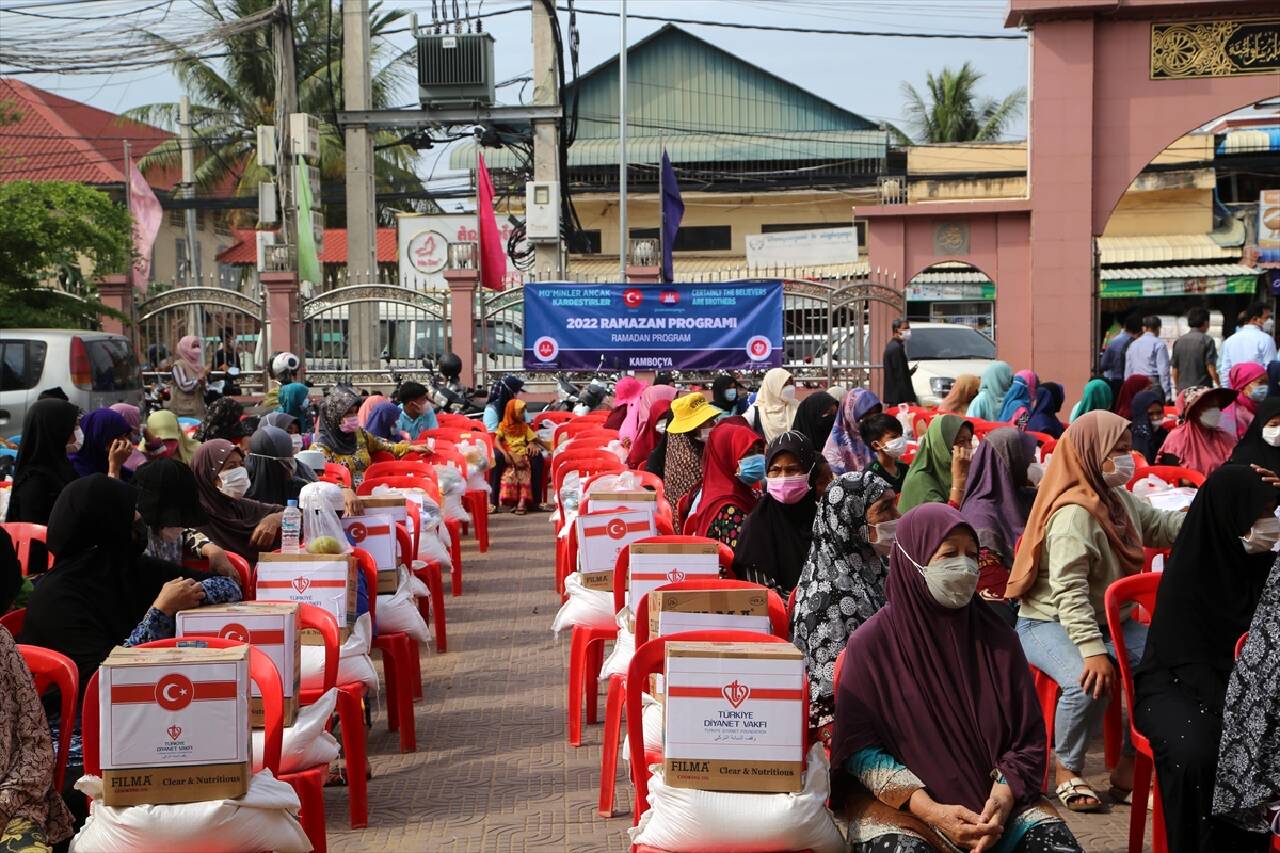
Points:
x=227 y=106
x=955 y=112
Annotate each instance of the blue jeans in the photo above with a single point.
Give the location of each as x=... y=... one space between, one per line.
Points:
x=1050 y=650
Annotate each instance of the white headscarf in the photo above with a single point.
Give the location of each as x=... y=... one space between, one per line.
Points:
x=776 y=413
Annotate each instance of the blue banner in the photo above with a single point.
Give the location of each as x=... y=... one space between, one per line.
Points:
x=730 y=326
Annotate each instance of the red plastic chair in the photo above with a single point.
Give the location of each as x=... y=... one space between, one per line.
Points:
x=244 y=573
x=23 y=533
x=570 y=429
x=1171 y=474
x=446 y=419
x=554 y=417
x=1149 y=557
x=475 y=500
x=587 y=464
x=779 y=627
x=649 y=660
x=1044 y=441
x=1047 y=691
x=1140 y=590
x=429 y=574
x=54 y=669
x=598 y=416
x=13 y=620
x=399 y=660
x=1244 y=638
x=400 y=468
x=428 y=485
x=334 y=473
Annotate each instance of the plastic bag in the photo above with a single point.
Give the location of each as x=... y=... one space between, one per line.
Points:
x=1149 y=485
x=433 y=542
x=615 y=447
x=306 y=743
x=354 y=663
x=547 y=432
x=320 y=504
x=399 y=611
x=623 y=650
x=685 y=820
x=589 y=608
x=452 y=488
x=265 y=818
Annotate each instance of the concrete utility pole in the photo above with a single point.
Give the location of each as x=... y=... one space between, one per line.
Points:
x=546 y=132
x=362 y=264
x=186 y=145
x=623 y=234
x=286 y=103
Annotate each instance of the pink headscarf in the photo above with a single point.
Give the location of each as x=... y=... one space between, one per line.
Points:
x=1029 y=377
x=366 y=409
x=1237 y=417
x=650 y=397
x=627 y=392
x=191 y=351
x=1197 y=446
x=133 y=417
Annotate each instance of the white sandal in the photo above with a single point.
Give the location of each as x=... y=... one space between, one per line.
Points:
x=1075 y=789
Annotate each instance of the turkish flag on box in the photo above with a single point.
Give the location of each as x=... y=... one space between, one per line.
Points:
x=174 y=725
x=655 y=564
x=271 y=626
x=735 y=717
x=326 y=580
x=601 y=535
x=377 y=535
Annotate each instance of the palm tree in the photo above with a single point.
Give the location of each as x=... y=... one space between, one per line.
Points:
x=227 y=107
x=955 y=112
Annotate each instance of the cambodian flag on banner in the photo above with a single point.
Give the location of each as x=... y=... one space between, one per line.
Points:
x=144 y=209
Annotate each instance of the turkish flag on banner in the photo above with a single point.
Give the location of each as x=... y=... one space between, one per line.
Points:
x=493 y=254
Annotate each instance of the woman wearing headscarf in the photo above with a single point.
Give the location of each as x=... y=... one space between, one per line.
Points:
x=145 y=445
x=502 y=392
x=1147 y=424
x=732 y=464
x=1249 y=381
x=1096 y=396
x=992 y=388
x=844 y=449
x=936 y=718
x=224 y=420
x=775 y=405
x=293 y=401
x=1273 y=379
x=383 y=421
x=692 y=418
x=186 y=394
x=815 y=417
x=1130 y=389
x=1261 y=443
x=170 y=508
x=939 y=470
x=272 y=468
x=654 y=401
x=366 y=409
x=725 y=393
x=626 y=394
x=842 y=582
x=1019 y=400
x=519 y=445
x=106 y=445
x=1197 y=442
x=235 y=522
x=1248 y=784
x=962 y=393
x=1210 y=588
x=42 y=471
x=1084 y=532
x=1044 y=417
x=343 y=441
x=176 y=444
x=778 y=532
x=998 y=495
x=657 y=462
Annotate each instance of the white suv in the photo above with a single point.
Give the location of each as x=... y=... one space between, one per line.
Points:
x=939 y=352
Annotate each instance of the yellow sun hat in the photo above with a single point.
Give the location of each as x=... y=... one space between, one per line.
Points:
x=690 y=412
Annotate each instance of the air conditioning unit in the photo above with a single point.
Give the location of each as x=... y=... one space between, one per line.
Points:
x=266 y=135
x=304 y=136
x=455 y=69
x=266 y=203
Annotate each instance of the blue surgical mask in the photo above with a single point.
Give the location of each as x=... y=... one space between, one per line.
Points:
x=1258 y=394
x=751 y=469
x=731 y=394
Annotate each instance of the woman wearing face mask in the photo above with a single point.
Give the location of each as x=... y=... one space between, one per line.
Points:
x=105 y=447
x=170 y=508
x=778 y=532
x=654 y=402
x=293 y=402
x=842 y=583
x=344 y=442
x=657 y=461
x=1017 y=405
x=272 y=469
x=1261 y=443
x=50 y=432
x=1132 y=387
x=1044 y=417
x=145 y=445
x=815 y=417
x=726 y=394
x=1147 y=424
x=732 y=465
x=290 y=426
x=775 y=405
x=1249 y=380
x=1084 y=532
x=1210 y=588
x=961 y=395
x=941 y=466
x=997 y=500
x=936 y=719
x=692 y=418
x=235 y=523
x=186 y=392
x=502 y=392
x=845 y=450
x=174 y=441
x=1197 y=442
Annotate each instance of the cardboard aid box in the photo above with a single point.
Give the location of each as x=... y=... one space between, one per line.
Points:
x=654 y=564
x=734 y=717
x=377 y=535
x=671 y=612
x=638 y=500
x=271 y=626
x=326 y=580
x=174 y=725
x=601 y=536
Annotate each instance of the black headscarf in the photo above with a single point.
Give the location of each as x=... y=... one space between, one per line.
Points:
x=223 y=421
x=503 y=391
x=1147 y=437
x=1273 y=379
x=722 y=383
x=42 y=469
x=167 y=495
x=1252 y=450
x=1210 y=588
x=329 y=425
x=657 y=462
x=269 y=463
x=10 y=572
x=776 y=536
x=813 y=420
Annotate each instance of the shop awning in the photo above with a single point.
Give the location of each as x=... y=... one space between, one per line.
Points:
x=1255 y=140
x=1160 y=249
x=1179 y=281
x=724 y=268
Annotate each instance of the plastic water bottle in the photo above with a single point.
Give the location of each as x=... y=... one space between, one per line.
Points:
x=291 y=529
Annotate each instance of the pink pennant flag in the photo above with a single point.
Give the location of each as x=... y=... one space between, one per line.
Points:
x=144 y=208
x=493 y=252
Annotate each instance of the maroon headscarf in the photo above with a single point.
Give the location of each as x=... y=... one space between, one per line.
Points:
x=728 y=443
x=647 y=437
x=945 y=692
x=1132 y=386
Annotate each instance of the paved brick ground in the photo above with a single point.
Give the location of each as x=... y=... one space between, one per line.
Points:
x=493 y=771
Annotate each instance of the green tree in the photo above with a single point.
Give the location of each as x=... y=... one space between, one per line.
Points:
x=231 y=98
x=954 y=112
x=49 y=232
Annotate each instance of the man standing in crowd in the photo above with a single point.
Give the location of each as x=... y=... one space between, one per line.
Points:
x=1195 y=356
x=226 y=356
x=1249 y=343
x=1113 y=355
x=416 y=413
x=1149 y=355
x=897 y=373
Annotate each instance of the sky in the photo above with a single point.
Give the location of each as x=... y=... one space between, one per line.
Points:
x=860 y=73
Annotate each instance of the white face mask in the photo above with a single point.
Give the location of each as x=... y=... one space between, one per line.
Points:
x=1263 y=536
x=296 y=441
x=171 y=534
x=896 y=447
x=704 y=434
x=789 y=393
x=77 y=441
x=906 y=334
x=1125 y=466
x=1035 y=473
x=660 y=427
x=886 y=533
x=234 y=483
x=1210 y=417
x=1271 y=435
x=952 y=581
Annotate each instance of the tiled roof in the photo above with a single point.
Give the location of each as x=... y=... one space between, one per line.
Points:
x=244 y=250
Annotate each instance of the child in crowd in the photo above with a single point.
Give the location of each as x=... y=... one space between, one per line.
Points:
x=883 y=434
x=517 y=442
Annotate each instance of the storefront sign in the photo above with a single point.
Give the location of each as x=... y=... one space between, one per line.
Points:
x=803 y=248
x=1222 y=48
x=731 y=326
x=985 y=292
x=1269 y=219
x=1126 y=288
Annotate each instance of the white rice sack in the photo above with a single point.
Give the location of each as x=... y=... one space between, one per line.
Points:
x=547 y=432
x=399 y=612
x=452 y=489
x=623 y=650
x=615 y=447
x=265 y=818
x=590 y=608
x=650 y=724
x=354 y=663
x=432 y=550
x=684 y=820
x=306 y=743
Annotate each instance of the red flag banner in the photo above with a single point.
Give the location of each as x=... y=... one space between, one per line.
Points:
x=493 y=251
x=144 y=209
